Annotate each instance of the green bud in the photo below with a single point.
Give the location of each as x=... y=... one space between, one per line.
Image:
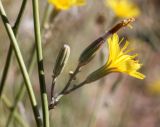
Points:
x=61 y=60
x=88 y=54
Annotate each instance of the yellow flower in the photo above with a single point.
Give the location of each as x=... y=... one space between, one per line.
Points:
x=118 y=61
x=123 y=8
x=66 y=4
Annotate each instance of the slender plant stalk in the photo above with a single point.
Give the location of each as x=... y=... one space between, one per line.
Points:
x=17 y=116
x=75 y=88
x=21 y=65
x=37 y=32
x=22 y=89
x=10 y=51
x=70 y=80
x=55 y=100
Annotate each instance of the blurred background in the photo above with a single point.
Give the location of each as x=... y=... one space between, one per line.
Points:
x=117 y=100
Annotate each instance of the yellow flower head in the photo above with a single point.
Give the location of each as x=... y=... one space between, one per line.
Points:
x=118 y=61
x=66 y=4
x=123 y=8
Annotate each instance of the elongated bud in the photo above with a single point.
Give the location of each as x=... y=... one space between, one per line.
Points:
x=62 y=59
x=90 y=51
x=118 y=26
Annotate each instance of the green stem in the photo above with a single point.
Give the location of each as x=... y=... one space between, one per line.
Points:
x=57 y=98
x=74 y=88
x=17 y=116
x=70 y=79
x=21 y=91
x=21 y=64
x=6 y=69
x=10 y=51
x=40 y=63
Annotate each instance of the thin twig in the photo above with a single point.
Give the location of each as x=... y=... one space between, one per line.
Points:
x=72 y=77
x=75 y=87
x=55 y=99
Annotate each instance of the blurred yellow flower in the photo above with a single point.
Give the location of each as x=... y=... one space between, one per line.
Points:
x=123 y=8
x=66 y=4
x=118 y=61
x=154 y=88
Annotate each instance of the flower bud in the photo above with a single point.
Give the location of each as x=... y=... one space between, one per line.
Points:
x=90 y=51
x=61 y=60
x=118 y=26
